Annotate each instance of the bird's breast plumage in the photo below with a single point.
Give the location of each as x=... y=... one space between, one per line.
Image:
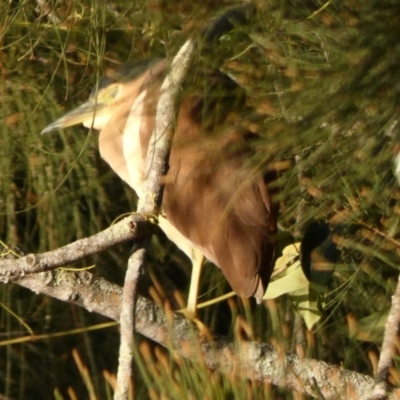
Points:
x=132 y=147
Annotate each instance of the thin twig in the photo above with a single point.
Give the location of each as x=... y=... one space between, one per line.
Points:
x=127 y=323
x=389 y=346
x=127 y=229
x=378 y=232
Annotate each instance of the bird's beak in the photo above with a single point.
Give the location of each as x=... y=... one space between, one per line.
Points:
x=84 y=113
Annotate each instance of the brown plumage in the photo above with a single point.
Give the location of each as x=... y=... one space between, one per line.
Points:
x=214 y=200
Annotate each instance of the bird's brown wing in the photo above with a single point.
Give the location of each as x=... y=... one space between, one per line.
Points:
x=212 y=195
x=225 y=212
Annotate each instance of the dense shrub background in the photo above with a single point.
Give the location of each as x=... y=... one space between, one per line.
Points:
x=323 y=82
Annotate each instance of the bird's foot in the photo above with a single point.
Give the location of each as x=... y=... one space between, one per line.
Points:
x=203 y=329
x=149 y=216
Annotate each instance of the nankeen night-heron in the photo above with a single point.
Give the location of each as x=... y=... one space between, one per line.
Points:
x=216 y=204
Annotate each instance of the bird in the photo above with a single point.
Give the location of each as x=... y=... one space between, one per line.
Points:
x=216 y=204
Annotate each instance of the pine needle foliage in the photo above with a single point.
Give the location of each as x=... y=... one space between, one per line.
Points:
x=322 y=82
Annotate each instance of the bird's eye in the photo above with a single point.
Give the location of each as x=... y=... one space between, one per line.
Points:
x=106 y=94
x=111 y=92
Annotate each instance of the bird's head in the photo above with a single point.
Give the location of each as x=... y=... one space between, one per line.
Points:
x=95 y=113
x=98 y=110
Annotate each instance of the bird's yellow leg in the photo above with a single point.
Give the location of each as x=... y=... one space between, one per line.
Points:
x=216 y=300
x=197 y=266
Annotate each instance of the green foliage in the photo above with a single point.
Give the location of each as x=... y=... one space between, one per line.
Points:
x=322 y=81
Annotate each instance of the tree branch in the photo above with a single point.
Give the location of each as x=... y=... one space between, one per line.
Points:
x=129 y=228
x=256 y=361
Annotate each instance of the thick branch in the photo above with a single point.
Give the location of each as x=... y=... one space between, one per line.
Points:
x=252 y=360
